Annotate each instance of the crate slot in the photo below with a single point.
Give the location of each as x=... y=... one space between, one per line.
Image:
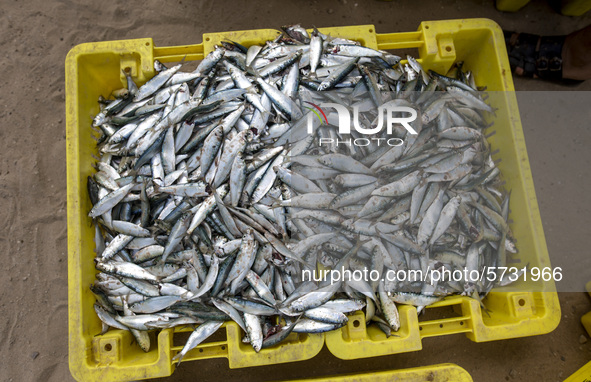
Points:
x=390 y=41
x=177 y=53
x=444 y=319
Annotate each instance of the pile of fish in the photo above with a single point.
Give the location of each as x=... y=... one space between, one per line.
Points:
x=213 y=201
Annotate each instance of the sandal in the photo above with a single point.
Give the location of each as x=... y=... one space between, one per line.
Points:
x=536 y=56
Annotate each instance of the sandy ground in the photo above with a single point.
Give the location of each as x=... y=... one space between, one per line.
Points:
x=35 y=37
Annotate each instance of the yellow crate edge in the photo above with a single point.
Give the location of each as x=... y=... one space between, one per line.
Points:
x=510 y=5
x=575 y=7
x=445 y=372
x=581 y=375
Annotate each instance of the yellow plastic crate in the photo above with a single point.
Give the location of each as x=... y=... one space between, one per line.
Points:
x=584 y=373
x=581 y=375
x=510 y=5
x=445 y=372
x=567 y=7
x=93 y=69
x=575 y=7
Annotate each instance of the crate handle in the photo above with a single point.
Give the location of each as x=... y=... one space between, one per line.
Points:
x=445 y=326
x=434 y=43
x=462 y=323
x=177 y=53
x=402 y=40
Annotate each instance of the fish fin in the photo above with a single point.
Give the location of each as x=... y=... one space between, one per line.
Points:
x=276 y=202
x=157 y=187
x=179 y=358
x=254 y=72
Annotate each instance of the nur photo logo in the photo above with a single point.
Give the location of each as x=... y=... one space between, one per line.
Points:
x=388 y=115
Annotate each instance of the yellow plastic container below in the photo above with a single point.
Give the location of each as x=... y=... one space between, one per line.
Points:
x=586 y=321
x=510 y=5
x=586 y=318
x=581 y=375
x=584 y=373
x=95 y=69
x=575 y=7
x=445 y=372
x=567 y=7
